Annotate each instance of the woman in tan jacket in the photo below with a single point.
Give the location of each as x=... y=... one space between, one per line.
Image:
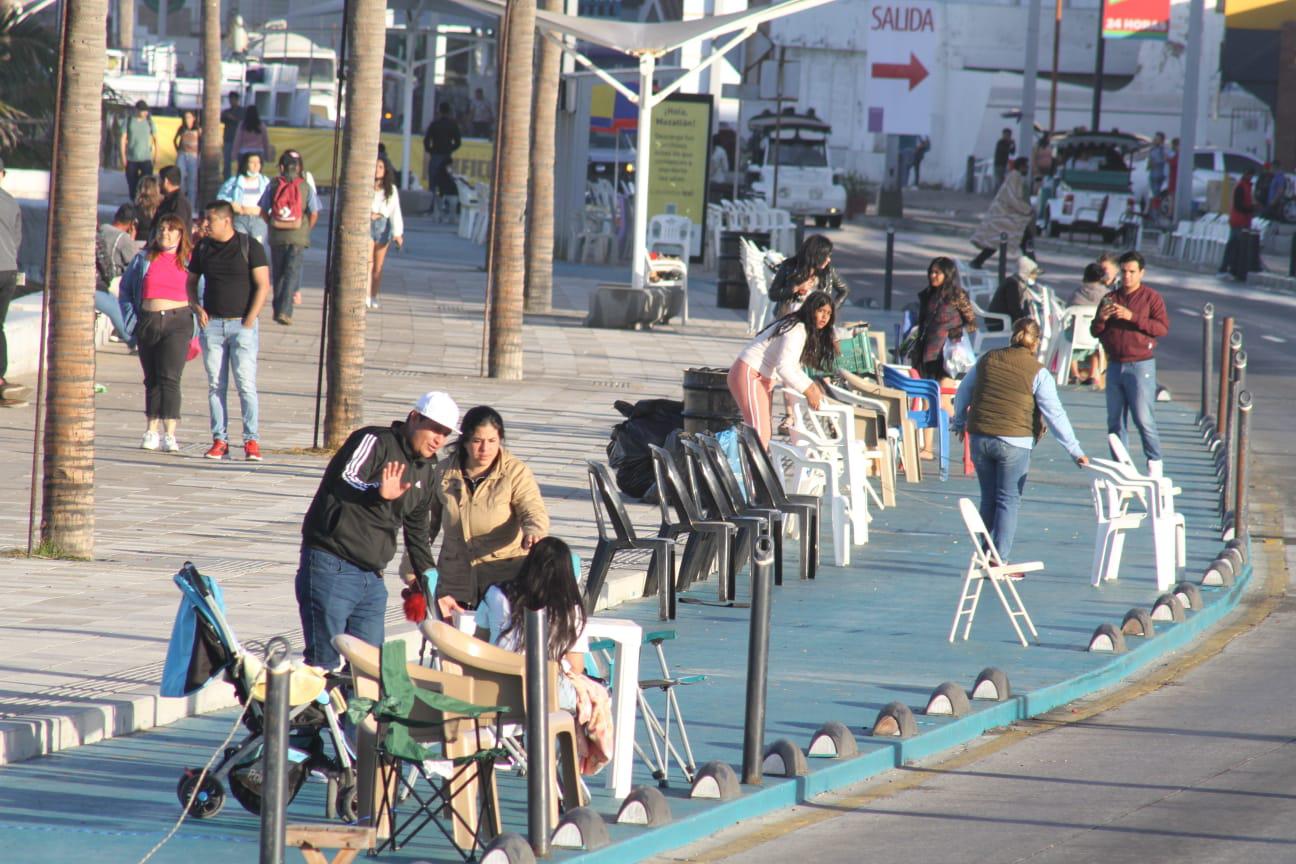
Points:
x=489 y=507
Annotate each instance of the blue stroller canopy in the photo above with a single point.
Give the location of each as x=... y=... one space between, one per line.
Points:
x=202 y=647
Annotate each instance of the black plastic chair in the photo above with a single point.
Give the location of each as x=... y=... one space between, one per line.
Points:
x=617 y=533
x=739 y=502
x=714 y=503
x=680 y=516
x=764 y=479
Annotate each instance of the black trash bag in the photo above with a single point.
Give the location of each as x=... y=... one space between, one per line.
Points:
x=649 y=421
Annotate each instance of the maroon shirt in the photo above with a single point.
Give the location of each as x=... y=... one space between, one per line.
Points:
x=1133 y=340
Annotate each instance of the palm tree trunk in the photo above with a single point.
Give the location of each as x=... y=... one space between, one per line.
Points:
x=540 y=234
x=366 y=38
x=67 y=506
x=212 y=164
x=508 y=230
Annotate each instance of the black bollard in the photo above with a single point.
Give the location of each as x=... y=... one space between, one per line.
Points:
x=969 y=186
x=889 y=277
x=1208 y=324
x=1240 y=466
x=758 y=661
x=1291 y=264
x=539 y=746
x=274 y=752
x=1003 y=258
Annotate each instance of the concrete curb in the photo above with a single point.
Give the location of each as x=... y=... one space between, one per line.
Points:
x=778 y=794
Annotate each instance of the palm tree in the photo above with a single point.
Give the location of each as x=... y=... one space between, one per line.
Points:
x=366 y=36
x=212 y=163
x=508 y=224
x=67 y=507
x=540 y=233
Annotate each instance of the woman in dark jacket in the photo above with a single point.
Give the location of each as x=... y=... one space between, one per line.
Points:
x=809 y=270
x=944 y=314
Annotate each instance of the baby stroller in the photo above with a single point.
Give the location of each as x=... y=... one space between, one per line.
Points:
x=203 y=648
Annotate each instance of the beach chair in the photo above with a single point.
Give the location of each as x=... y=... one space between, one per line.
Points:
x=617 y=534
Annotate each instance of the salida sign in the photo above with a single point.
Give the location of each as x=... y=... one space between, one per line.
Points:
x=903 y=41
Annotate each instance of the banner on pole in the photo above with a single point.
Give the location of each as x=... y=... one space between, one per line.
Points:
x=1136 y=19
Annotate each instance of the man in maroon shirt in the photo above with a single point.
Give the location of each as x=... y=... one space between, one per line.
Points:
x=1129 y=321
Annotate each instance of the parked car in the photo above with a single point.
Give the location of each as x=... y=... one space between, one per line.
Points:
x=1089 y=189
x=1209 y=163
x=807 y=184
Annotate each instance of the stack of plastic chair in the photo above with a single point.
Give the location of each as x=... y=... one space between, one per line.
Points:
x=1166 y=492
x=929 y=414
x=733 y=487
x=1114 y=520
x=758 y=302
x=470 y=207
x=764 y=479
x=830 y=429
x=715 y=503
x=1168 y=530
x=707 y=539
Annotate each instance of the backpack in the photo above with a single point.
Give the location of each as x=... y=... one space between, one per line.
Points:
x=286 y=204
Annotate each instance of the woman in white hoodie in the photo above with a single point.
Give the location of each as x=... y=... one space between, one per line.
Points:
x=777 y=354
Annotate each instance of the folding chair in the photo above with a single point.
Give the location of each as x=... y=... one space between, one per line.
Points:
x=681 y=516
x=987 y=566
x=658 y=727
x=764 y=479
x=459 y=769
x=617 y=533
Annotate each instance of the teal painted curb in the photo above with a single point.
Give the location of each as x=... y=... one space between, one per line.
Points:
x=780 y=794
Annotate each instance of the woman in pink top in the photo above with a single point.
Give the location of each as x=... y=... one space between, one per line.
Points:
x=165 y=328
x=800 y=338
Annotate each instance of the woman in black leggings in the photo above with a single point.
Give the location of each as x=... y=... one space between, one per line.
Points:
x=165 y=329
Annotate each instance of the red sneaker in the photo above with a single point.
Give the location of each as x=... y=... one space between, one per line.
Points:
x=219 y=450
x=252 y=451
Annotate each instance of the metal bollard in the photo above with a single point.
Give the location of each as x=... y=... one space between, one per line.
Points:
x=1003 y=257
x=1240 y=466
x=889 y=276
x=1208 y=332
x=1226 y=363
x=969 y=186
x=758 y=661
x=1291 y=264
x=274 y=752
x=539 y=746
x=1237 y=379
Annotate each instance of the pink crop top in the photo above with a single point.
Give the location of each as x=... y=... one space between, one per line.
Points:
x=165 y=279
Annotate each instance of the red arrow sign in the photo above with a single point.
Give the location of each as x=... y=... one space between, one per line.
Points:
x=913 y=71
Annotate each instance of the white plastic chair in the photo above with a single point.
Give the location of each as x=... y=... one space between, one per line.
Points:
x=893 y=433
x=986 y=565
x=980 y=336
x=1114 y=520
x=830 y=431
x=807 y=472
x=1077 y=319
x=1168 y=530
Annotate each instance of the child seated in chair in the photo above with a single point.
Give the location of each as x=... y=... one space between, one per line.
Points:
x=547 y=581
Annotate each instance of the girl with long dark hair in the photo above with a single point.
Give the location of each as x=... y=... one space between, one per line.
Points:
x=810 y=269
x=944 y=314
x=148 y=197
x=186 y=146
x=777 y=353
x=547 y=581
x=252 y=135
x=385 y=224
x=244 y=191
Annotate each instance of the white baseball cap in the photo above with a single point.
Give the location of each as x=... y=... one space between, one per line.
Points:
x=438 y=407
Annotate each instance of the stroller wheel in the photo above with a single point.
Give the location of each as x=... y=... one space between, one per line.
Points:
x=209 y=797
x=348 y=803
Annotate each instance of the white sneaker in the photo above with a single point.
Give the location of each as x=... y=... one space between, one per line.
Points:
x=1154 y=467
x=169 y=444
x=150 y=441
x=373 y=304
x=368 y=302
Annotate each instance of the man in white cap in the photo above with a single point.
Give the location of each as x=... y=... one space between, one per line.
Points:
x=380 y=481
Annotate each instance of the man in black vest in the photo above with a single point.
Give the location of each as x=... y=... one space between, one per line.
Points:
x=1001 y=402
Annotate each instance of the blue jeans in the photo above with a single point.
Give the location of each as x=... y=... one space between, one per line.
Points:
x=1131 y=395
x=1001 y=470
x=335 y=596
x=227 y=345
x=108 y=305
x=286 y=270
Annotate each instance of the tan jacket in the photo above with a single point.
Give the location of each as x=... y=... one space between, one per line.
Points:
x=483 y=530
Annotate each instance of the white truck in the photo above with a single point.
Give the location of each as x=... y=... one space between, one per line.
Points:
x=798 y=143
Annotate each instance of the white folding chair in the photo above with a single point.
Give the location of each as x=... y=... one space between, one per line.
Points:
x=987 y=566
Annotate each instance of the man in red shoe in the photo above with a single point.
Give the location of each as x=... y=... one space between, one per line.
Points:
x=379 y=482
x=237 y=284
